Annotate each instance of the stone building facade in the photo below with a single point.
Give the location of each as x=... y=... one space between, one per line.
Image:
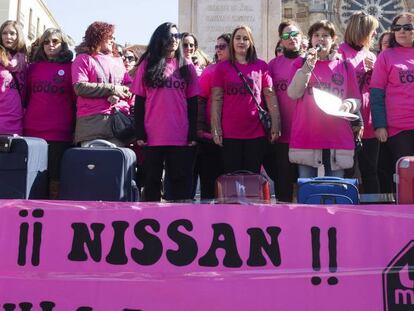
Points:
x=306 y=12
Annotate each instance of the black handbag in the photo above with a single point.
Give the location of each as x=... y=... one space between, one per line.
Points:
x=123 y=126
x=264 y=115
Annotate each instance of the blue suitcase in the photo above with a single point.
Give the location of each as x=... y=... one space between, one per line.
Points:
x=328 y=190
x=23 y=167
x=99 y=172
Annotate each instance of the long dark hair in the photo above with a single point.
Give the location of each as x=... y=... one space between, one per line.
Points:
x=156 y=56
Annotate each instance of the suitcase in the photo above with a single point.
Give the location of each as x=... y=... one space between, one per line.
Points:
x=404 y=179
x=23 y=167
x=242 y=187
x=99 y=172
x=328 y=190
x=377 y=198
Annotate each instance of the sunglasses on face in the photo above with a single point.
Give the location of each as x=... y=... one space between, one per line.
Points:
x=287 y=35
x=406 y=27
x=220 y=47
x=129 y=58
x=54 y=41
x=176 y=36
x=188 y=45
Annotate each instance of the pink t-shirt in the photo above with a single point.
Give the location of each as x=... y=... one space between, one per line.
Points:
x=85 y=69
x=311 y=127
x=50 y=110
x=394 y=73
x=280 y=71
x=166 y=118
x=11 y=110
x=205 y=82
x=240 y=117
x=356 y=59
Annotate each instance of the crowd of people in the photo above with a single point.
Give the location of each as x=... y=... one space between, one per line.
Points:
x=196 y=119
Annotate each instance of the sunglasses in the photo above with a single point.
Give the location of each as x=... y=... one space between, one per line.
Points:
x=129 y=58
x=220 y=47
x=176 y=36
x=287 y=35
x=54 y=41
x=188 y=45
x=406 y=27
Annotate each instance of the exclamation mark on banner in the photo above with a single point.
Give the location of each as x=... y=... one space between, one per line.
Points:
x=24 y=235
x=316 y=254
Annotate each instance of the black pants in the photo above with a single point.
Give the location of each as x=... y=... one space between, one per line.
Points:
x=208 y=167
x=243 y=154
x=56 y=149
x=401 y=145
x=368 y=165
x=178 y=161
x=385 y=169
x=280 y=170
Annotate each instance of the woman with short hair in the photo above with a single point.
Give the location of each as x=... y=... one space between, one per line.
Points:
x=317 y=138
x=101 y=82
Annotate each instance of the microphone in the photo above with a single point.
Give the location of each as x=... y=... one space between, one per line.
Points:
x=317 y=48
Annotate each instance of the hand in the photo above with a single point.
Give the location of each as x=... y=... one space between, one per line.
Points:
x=141 y=143
x=113 y=99
x=382 y=134
x=311 y=58
x=368 y=63
x=358 y=132
x=192 y=143
x=274 y=135
x=121 y=91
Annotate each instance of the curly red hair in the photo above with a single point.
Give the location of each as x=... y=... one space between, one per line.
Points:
x=97 y=33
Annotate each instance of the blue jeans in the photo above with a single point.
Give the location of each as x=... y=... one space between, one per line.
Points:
x=306 y=171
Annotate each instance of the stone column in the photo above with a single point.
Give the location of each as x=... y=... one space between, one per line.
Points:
x=207 y=19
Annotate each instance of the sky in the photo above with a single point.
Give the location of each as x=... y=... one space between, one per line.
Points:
x=134 y=20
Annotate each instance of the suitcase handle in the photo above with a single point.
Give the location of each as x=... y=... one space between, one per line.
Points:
x=6 y=142
x=99 y=143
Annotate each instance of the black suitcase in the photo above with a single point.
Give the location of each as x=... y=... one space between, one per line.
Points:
x=23 y=167
x=100 y=172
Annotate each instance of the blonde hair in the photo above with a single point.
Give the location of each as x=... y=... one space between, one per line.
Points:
x=18 y=46
x=360 y=26
x=251 y=56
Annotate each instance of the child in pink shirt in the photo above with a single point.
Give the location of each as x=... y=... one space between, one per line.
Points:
x=12 y=78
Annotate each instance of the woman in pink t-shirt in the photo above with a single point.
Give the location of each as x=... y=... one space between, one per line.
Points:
x=235 y=120
x=358 y=39
x=209 y=154
x=101 y=84
x=392 y=89
x=13 y=71
x=276 y=163
x=318 y=138
x=51 y=101
x=166 y=90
